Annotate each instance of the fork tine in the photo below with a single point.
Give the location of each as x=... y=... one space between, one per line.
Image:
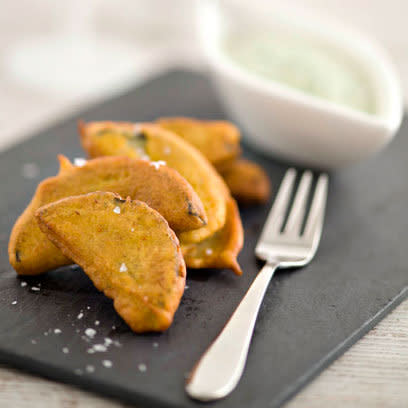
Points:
x=277 y=214
x=315 y=219
x=297 y=212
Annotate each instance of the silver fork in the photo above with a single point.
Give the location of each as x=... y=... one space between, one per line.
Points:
x=220 y=368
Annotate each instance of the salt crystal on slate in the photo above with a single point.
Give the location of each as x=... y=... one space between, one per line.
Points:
x=90 y=368
x=14 y=302
x=107 y=363
x=90 y=332
x=142 y=367
x=99 y=347
x=23 y=284
x=35 y=289
x=65 y=350
x=57 y=331
x=116 y=210
x=80 y=316
x=155 y=344
x=30 y=170
x=97 y=322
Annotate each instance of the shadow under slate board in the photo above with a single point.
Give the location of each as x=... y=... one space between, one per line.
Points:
x=309 y=317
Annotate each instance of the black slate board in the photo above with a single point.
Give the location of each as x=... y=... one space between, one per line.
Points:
x=309 y=316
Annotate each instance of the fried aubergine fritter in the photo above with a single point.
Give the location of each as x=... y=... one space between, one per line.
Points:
x=126 y=248
x=217 y=140
x=163 y=147
x=247 y=181
x=221 y=249
x=163 y=189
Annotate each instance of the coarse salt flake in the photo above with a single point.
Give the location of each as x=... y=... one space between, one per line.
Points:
x=142 y=367
x=33 y=341
x=157 y=164
x=65 y=350
x=208 y=251
x=79 y=161
x=30 y=170
x=80 y=315
x=23 y=284
x=14 y=302
x=90 y=332
x=155 y=344
x=123 y=267
x=116 y=210
x=35 y=289
x=107 y=363
x=90 y=368
x=97 y=322
x=100 y=348
x=57 y=331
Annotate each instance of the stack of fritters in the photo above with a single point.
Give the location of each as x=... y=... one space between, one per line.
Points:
x=115 y=215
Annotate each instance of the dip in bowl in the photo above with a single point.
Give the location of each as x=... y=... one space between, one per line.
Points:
x=301 y=87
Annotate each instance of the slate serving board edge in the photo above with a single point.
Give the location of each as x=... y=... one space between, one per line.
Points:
x=338 y=351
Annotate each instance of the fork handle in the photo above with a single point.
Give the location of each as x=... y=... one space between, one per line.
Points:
x=220 y=368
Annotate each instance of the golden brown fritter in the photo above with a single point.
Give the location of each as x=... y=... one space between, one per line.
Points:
x=160 y=145
x=163 y=189
x=247 y=181
x=217 y=140
x=220 y=250
x=128 y=251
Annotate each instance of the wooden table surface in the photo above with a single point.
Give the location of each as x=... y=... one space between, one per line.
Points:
x=373 y=373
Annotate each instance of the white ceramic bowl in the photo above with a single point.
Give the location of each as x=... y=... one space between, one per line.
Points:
x=288 y=123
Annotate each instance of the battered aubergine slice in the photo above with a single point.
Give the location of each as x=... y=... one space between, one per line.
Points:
x=220 y=250
x=247 y=181
x=128 y=251
x=217 y=140
x=163 y=189
x=163 y=147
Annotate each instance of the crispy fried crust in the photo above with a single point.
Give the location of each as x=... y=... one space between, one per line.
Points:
x=128 y=251
x=110 y=138
x=221 y=249
x=30 y=252
x=218 y=141
x=247 y=181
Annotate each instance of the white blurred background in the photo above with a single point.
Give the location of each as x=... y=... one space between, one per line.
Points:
x=57 y=56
